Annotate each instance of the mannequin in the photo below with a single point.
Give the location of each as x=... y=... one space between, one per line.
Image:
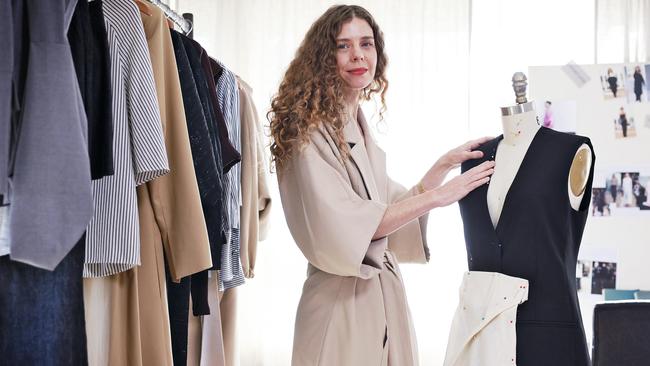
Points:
x=526 y=224
x=519 y=129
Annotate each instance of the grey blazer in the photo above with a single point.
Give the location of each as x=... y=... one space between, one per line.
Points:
x=50 y=194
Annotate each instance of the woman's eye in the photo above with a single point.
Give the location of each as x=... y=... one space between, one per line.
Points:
x=342 y=46
x=367 y=44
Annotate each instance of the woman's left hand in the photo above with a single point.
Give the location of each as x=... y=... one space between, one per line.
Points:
x=464 y=152
x=451 y=160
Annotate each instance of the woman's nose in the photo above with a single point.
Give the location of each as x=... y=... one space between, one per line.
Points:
x=357 y=54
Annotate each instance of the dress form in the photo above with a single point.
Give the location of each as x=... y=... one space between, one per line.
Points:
x=518 y=132
x=520 y=126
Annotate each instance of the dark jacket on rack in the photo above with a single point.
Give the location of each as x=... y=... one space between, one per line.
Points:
x=229 y=154
x=202 y=88
x=89 y=46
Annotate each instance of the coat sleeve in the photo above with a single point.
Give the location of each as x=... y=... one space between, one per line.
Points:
x=331 y=224
x=409 y=243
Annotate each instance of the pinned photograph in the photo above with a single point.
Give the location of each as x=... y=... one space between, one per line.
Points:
x=596 y=270
x=603 y=275
x=624 y=126
x=559 y=115
x=599 y=204
x=646 y=68
x=621 y=193
x=635 y=85
x=612 y=82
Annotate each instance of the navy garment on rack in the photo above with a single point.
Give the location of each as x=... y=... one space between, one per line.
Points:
x=202 y=86
x=42 y=313
x=204 y=142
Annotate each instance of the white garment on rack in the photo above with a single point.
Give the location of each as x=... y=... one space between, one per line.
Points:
x=4 y=230
x=483 y=332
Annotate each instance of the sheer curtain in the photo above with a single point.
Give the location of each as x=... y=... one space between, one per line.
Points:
x=622 y=31
x=510 y=36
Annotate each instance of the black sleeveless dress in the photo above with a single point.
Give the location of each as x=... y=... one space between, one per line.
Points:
x=537 y=238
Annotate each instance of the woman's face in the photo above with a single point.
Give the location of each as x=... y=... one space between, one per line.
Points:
x=356 y=55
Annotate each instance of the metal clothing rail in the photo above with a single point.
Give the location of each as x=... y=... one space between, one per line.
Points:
x=184 y=24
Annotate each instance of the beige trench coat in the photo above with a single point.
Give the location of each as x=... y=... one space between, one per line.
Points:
x=353 y=309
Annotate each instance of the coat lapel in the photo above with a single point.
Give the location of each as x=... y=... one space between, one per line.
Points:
x=377 y=159
x=360 y=150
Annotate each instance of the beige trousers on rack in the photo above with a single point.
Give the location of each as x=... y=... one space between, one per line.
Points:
x=212 y=339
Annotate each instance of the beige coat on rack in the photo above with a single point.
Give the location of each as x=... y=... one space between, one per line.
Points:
x=256 y=198
x=353 y=309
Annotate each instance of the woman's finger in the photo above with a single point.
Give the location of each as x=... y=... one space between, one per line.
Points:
x=478 y=142
x=483 y=174
x=481 y=167
x=478 y=183
x=476 y=154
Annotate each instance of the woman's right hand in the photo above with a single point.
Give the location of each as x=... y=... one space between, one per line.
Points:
x=458 y=187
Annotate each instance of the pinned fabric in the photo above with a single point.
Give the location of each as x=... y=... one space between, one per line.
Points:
x=483 y=331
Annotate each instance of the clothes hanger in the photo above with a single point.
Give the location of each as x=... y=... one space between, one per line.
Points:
x=185 y=25
x=144 y=9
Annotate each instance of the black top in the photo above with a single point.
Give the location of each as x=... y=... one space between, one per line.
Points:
x=613 y=82
x=638 y=83
x=537 y=238
x=89 y=47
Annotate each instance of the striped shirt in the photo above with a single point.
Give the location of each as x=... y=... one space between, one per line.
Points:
x=139 y=155
x=231 y=274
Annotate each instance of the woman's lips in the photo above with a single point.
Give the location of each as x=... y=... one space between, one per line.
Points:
x=359 y=71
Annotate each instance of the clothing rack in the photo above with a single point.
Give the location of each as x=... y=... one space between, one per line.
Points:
x=185 y=24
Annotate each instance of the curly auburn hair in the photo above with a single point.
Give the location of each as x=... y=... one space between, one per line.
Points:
x=312 y=91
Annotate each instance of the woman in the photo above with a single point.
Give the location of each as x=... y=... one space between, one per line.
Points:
x=628 y=195
x=613 y=187
x=612 y=81
x=622 y=120
x=639 y=82
x=548 y=115
x=349 y=219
